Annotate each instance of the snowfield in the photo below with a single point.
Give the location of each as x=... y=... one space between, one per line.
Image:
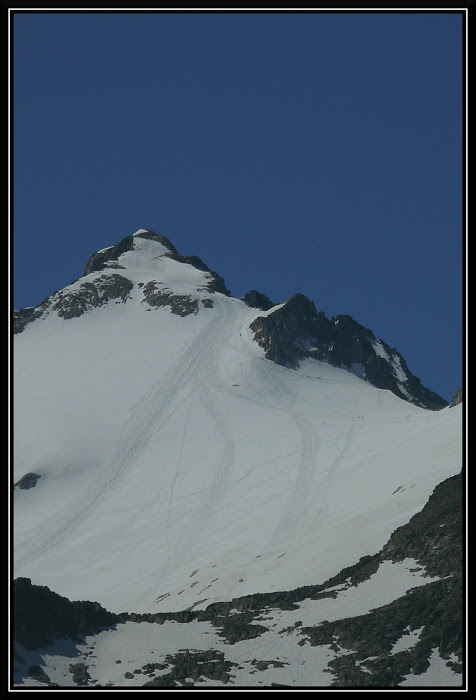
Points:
x=179 y=467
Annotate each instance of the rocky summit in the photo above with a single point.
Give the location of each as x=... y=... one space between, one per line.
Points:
x=219 y=491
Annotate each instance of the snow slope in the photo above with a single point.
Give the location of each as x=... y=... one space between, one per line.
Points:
x=179 y=467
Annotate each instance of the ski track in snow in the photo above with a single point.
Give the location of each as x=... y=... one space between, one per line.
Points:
x=208 y=375
x=219 y=478
x=322 y=493
x=211 y=381
x=298 y=511
x=177 y=470
x=194 y=365
x=298 y=500
x=297 y=505
x=217 y=367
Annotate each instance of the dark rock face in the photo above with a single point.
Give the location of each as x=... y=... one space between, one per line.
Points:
x=285 y=333
x=434 y=535
x=190 y=664
x=41 y=616
x=457 y=398
x=179 y=304
x=257 y=300
x=297 y=330
x=24 y=316
x=80 y=673
x=72 y=303
x=90 y=295
x=28 y=481
x=217 y=284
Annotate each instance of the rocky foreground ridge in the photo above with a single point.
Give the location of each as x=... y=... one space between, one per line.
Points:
x=359 y=651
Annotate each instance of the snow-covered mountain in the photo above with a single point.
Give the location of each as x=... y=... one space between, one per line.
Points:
x=177 y=448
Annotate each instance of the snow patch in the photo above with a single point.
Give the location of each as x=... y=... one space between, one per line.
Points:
x=407 y=641
x=380 y=350
x=437 y=674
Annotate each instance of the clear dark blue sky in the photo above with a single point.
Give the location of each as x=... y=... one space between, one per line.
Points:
x=313 y=153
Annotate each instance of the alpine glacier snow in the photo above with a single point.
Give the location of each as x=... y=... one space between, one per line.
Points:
x=167 y=464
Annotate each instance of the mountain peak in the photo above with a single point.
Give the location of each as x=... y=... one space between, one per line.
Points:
x=147 y=268
x=142 y=250
x=144 y=265
x=109 y=257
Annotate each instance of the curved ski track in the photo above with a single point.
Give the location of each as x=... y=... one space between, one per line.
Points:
x=196 y=374
x=298 y=500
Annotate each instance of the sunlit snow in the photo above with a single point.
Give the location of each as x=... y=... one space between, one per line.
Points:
x=169 y=445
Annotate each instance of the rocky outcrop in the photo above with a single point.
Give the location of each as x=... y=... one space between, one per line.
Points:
x=28 y=481
x=86 y=294
x=189 y=666
x=40 y=616
x=23 y=317
x=457 y=398
x=74 y=301
x=155 y=295
x=257 y=300
x=80 y=673
x=296 y=330
x=286 y=333
x=90 y=295
x=217 y=284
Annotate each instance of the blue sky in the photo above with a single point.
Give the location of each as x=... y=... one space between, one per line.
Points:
x=293 y=152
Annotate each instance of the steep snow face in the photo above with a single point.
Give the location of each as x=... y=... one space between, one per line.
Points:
x=177 y=466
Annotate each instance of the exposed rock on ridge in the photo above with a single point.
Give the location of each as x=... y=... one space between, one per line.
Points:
x=257 y=300
x=179 y=304
x=105 y=258
x=98 y=261
x=291 y=333
x=296 y=331
x=99 y=289
x=72 y=303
